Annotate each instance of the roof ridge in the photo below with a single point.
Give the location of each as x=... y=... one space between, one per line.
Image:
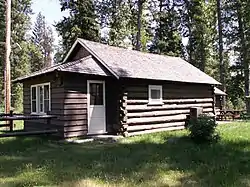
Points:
x=133 y=50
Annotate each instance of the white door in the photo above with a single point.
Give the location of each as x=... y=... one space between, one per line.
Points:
x=96 y=107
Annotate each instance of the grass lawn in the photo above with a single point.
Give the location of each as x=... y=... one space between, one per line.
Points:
x=148 y=160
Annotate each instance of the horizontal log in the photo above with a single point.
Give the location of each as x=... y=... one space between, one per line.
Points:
x=73 y=117
x=162 y=119
x=155 y=130
x=163 y=107
x=41 y=126
x=4 y=125
x=56 y=100
x=29 y=117
x=208 y=110
x=144 y=96
x=75 y=128
x=70 y=134
x=168 y=87
x=174 y=91
x=75 y=112
x=75 y=123
x=23 y=133
x=157 y=113
x=154 y=126
x=170 y=101
x=163 y=113
x=75 y=106
x=69 y=101
x=70 y=95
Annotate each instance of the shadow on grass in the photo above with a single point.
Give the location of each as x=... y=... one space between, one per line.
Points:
x=36 y=161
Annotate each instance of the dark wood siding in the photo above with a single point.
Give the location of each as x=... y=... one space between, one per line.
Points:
x=75 y=105
x=78 y=53
x=56 y=88
x=69 y=103
x=112 y=102
x=178 y=98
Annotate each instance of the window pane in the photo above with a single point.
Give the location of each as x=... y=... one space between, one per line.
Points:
x=33 y=106
x=33 y=93
x=41 y=107
x=155 y=94
x=40 y=98
x=46 y=106
x=96 y=94
x=46 y=92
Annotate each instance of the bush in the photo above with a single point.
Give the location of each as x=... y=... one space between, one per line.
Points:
x=244 y=116
x=203 y=129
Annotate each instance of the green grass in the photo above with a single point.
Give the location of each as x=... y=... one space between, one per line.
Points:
x=148 y=160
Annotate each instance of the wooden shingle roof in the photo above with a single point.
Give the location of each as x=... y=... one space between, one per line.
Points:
x=85 y=65
x=107 y=60
x=135 y=64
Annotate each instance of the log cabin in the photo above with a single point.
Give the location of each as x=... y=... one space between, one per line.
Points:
x=101 y=89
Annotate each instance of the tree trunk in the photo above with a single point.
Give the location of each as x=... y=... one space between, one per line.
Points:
x=202 y=54
x=7 y=75
x=139 y=15
x=222 y=67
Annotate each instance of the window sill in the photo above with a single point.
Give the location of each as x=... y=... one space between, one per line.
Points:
x=155 y=104
x=38 y=114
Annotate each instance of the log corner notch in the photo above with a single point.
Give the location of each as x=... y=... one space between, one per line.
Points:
x=214 y=100
x=123 y=126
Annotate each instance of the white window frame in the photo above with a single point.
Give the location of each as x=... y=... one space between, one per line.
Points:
x=38 y=98
x=154 y=101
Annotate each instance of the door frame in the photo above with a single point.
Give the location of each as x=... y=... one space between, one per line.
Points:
x=104 y=103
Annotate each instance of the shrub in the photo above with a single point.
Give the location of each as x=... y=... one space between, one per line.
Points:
x=244 y=116
x=203 y=129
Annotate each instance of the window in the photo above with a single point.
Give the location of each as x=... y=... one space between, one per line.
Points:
x=155 y=94
x=96 y=93
x=40 y=98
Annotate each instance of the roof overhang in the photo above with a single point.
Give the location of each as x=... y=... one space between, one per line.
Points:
x=217 y=91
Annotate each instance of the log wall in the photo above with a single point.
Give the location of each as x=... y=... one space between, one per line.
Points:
x=69 y=103
x=75 y=106
x=127 y=108
x=75 y=115
x=178 y=98
x=56 y=87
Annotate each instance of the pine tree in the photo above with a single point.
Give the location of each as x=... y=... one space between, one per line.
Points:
x=196 y=45
x=120 y=23
x=236 y=34
x=126 y=22
x=141 y=32
x=59 y=52
x=167 y=38
x=82 y=22
x=42 y=38
x=243 y=21
x=20 y=59
x=139 y=23
x=220 y=35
